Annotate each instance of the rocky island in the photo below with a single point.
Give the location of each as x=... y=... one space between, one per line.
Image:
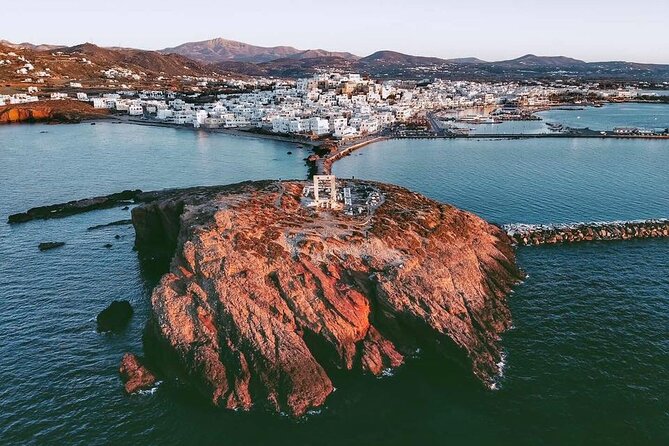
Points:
x=271 y=287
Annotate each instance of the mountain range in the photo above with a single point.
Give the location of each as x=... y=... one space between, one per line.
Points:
x=237 y=58
x=285 y=61
x=224 y=50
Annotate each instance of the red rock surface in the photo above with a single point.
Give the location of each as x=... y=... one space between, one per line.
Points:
x=135 y=375
x=58 y=111
x=263 y=295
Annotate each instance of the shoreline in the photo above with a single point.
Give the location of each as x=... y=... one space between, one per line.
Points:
x=322 y=164
x=225 y=131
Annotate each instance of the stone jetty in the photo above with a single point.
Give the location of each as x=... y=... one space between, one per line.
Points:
x=531 y=235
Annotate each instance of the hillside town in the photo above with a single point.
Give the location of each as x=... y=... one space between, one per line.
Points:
x=341 y=106
x=329 y=104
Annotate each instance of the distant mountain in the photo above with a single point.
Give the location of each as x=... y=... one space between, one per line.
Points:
x=391 y=64
x=237 y=58
x=310 y=54
x=222 y=50
x=30 y=46
x=541 y=62
x=287 y=67
x=531 y=66
x=285 y=61
x=386 y=57
x=466 y=60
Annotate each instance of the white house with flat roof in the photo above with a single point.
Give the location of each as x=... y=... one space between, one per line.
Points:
x=319 y=126
x=135 y=110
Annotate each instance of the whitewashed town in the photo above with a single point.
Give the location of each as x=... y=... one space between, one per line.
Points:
x=342 y=106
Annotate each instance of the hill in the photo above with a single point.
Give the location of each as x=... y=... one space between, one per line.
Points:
x=95 y=67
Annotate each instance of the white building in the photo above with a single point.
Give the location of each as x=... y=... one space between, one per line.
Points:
x=22 y=98
x=281 y=125
x=297 y=125
x=199 y=118
x=102 y=103
x=319 y=126
x=164 y=114
x=135 y=110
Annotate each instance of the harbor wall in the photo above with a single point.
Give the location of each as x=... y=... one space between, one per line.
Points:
x=532 y=235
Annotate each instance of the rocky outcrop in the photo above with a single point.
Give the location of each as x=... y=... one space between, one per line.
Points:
x=45 y=246
x=50 y=111
x=265 y=297
x=135 y=375
x=76 y=206
x=15 y=114
x=532 y=235
x=115 y=317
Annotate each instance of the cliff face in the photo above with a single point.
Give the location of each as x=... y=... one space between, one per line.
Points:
x=264 y=295
x=56 y=111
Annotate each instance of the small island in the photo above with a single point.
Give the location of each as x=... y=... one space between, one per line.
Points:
x=272 y=285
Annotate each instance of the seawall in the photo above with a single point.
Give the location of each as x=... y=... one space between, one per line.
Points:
x=532 y=235
x=323 y=166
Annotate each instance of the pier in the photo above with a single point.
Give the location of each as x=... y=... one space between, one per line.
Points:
x=533 y=235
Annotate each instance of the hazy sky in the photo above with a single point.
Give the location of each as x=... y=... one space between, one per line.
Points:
x=490 y=29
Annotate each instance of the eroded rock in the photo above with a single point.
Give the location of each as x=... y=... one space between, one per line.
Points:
x=135 y=375
x=264 y=296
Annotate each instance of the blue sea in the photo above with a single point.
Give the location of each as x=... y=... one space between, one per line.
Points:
x=587 y=361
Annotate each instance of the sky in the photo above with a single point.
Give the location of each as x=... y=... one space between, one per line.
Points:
x=592 y=30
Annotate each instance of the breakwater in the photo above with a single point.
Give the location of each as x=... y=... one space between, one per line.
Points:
x=76 y=207
x=531 y=235
x=323 y=166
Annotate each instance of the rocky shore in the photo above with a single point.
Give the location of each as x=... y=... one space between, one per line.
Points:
x=265 y=298
x=532 y=235
x=76 y=206
x=63 y=111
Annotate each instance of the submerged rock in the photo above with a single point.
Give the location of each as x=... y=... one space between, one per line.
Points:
x=114 y=223
x=264 y=296
x=45 y=246
x=135 y=375
x=115 y=317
